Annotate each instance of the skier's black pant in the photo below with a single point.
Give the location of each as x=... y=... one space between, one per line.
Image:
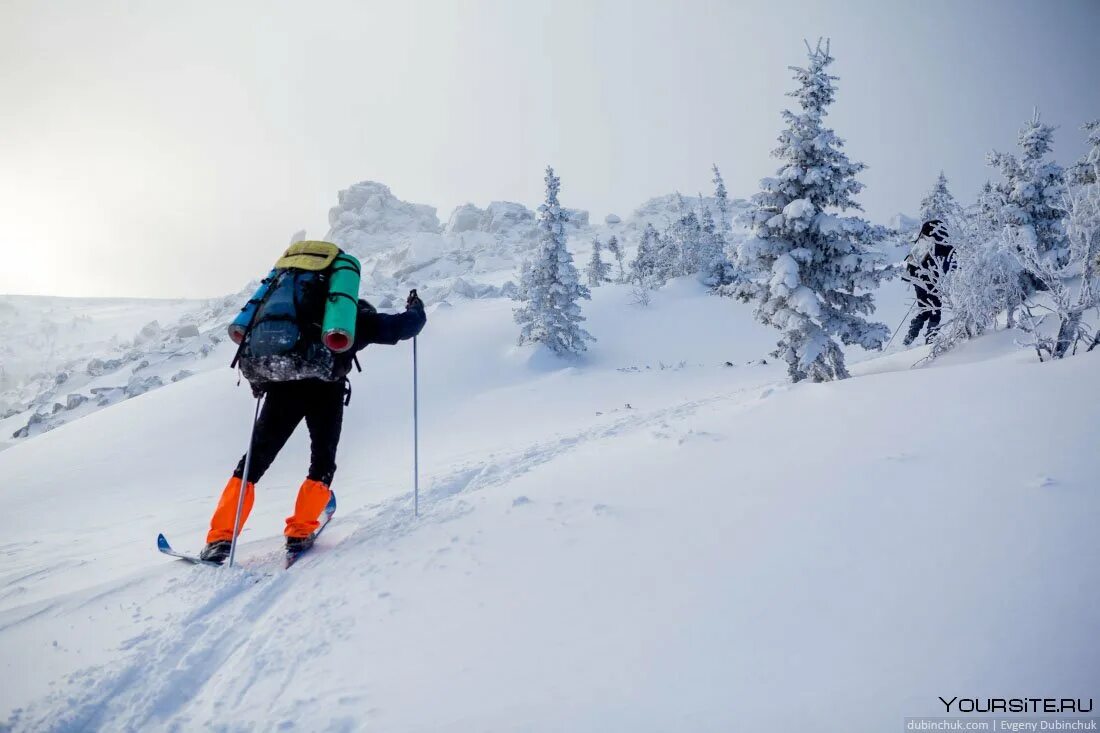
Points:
x=928 y=310
x=286 y=404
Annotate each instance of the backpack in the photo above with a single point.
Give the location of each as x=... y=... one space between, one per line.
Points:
x=279 y=330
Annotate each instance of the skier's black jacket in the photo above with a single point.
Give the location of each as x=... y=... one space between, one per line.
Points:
x=940 y=258
x=372 y=327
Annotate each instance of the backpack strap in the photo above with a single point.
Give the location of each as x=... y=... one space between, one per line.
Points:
x=352 y=298
x=349 y=264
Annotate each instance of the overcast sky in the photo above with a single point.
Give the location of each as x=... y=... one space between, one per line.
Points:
x=171 y=148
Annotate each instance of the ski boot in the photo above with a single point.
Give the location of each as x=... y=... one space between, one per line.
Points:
x=298 y=545
x=216 y=551
x=912 y=334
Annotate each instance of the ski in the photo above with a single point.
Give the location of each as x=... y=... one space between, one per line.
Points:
x=326 y=517
x=163 y=546
x=291 y=557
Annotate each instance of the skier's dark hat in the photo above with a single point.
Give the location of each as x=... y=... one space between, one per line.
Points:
x=935 y=229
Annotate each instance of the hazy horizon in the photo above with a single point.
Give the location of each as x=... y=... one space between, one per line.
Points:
x=170 y=150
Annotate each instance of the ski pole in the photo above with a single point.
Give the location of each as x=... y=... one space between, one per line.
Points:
x=903 y=320
x=244 y=482
x=416 y=438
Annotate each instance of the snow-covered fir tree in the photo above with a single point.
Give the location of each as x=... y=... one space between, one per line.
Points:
x=1083 y=172
x=616 y=251
x=685 y=242
x=987 y=213
x=714 y=268
x=1033 y=190
x=598 y=272
x=549 y=284
x=721 y=198
x=669 y=256
x=524 y=276
x=808 y=270
x=1073 y=287
x=647 y=269
x=719 y=270
x=644 y=264
x=940 y=204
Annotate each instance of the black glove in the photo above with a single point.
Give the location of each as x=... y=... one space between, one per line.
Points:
x=258 y=389
x=414 y=301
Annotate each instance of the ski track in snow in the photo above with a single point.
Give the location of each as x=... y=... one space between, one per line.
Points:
x=190 y=646
x=502 y=470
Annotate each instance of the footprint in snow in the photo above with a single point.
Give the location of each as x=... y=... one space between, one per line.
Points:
x=662 y=432
x=695 y=436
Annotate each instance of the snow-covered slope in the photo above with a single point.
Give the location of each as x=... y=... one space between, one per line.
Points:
x=663 y=536
x=72 y=357
x=62 y=358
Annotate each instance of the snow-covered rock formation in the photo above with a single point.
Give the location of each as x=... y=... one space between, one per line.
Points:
x=367 y=218
x=500 y=217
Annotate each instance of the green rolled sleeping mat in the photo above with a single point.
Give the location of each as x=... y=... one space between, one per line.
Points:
x=342 y=304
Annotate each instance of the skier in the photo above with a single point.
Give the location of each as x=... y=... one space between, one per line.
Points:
x=320 y=401
x=932 y=256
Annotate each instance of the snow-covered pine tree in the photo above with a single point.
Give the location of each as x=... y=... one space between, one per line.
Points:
x=805 y=268
x=669 y=257
x=719 y=270
x=1084 y=171
x=549 y=284
x=685 y=242
x=940 y=204
x=616 y=251
x=597 y=271
x=644 y=264
x=524 y=277
x=1033 y=190
x=714 y=268
x=1073 y=288
x=646 y=273
x=988 y=209
x=721 y=198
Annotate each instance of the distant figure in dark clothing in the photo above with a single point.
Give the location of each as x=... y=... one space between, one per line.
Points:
x=932 y=256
